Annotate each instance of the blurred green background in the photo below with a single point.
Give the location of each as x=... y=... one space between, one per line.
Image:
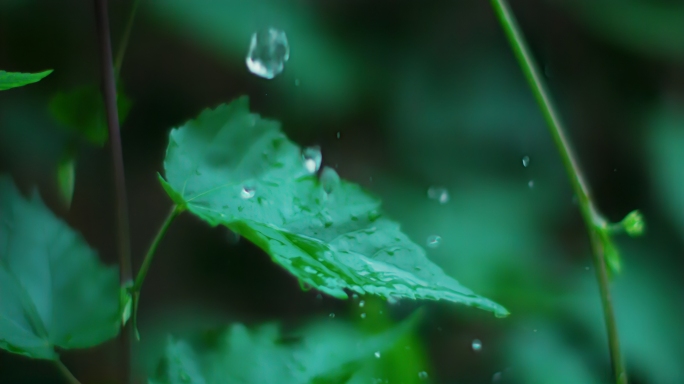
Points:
x=401 y=96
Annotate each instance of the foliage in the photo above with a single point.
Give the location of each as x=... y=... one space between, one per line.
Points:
x=55 y=292
x=233 y=168
x=17 y=79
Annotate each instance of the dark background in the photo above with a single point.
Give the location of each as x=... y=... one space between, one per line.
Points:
x=422 y=94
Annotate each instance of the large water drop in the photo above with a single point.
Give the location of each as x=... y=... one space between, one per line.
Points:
x=247 y=192
x=312 y=158
x=438 y=193
x=268 y=53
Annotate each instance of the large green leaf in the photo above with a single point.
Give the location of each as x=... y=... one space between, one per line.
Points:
x=16 y=79
x=327 y=352
x=55 y=292
x=234 y=168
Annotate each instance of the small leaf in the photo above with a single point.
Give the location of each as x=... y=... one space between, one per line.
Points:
x=324 y=352
x=82 y=111
x=55 y=292
x=634 y=224
x=16 y=79
x=66 y=177
x=233 y=168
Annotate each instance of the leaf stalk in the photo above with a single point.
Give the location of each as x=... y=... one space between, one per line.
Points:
x=592 y=219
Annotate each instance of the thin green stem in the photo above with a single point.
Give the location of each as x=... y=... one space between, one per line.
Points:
x=140 y=278
x=592 y=219
x=124 y=40
x=66 y=373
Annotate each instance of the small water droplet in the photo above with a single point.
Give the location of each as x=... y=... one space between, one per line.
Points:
x=362 y=303
x=363 y=315
x=355 y=296
x=377 y=354
x=338 y=135
x=331 y=315
x=329 y=179
x=476 y=345
x=439 y=194
x=391 y=300
x=423 y=375
x=586 y=268
x=526 y=161
x=312 y=158
x=268 y=53
x=434 y=241
x=247 y=192
x=373 y=215
x=530 y=184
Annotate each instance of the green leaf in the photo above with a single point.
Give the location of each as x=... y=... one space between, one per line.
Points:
x=16 y=79
x=82 y=111
x=324 y=352
x=55 y=292
x=233 y=168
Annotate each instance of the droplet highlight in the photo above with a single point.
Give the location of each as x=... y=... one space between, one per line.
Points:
x=377 y=354
x=476 y=345
x=440 y=194
x=434 y=241
x=526 y=161
x=247 y=192
x=423 y=375
x=312 y=158
x=268 y=53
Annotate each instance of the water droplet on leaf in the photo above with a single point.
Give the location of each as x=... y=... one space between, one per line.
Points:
x=312 y=158
x=268 y=53
x=247 y=192
x=377 y=354
x=329 y=179
x=363 y=315
x=476 y=345
x=362 y=303
x=438 y=193
x=434 y=241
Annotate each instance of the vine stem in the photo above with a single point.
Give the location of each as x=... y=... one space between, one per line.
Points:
x=66 y=373
x=592 y=219
x=124 y=39
x=123 y=230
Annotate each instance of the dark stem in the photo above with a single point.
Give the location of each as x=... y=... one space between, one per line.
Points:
x=124 y=40
x=593 y=221
x=123 y=233
x=66 y=373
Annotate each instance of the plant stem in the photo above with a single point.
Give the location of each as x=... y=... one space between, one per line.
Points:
x=592 y=219
x=142 y=273
x=124 y=40
x=66 y=373
x=123 y=232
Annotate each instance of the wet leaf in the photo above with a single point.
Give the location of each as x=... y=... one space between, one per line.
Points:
x=17 y=79
x=233 y=168
x=55 y=292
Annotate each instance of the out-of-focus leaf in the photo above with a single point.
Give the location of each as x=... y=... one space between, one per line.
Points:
x=666 y=154
x=326 y=72
x=234 y=168
x=17 y=79
x=650 y=27
x=325 y=352
x=66 y=177
x=82 y=111
x=544 y=357
x=55 y=292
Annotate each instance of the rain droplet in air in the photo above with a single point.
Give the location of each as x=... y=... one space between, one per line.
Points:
x=268 y=53
x=476 y=345
x=377 y=354
x=312 y=158
x=363 y=315
x=438 y=193
x=423 y=375
x=329 y=179
x=247 y=192
x=526 y=161
x=434 y=241
x=362 y=303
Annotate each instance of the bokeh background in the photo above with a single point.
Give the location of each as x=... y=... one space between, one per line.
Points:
x=401 y=96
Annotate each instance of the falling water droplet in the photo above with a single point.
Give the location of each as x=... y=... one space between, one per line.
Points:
x=363 y=315
x=377 y=354
x=329 y=179
x=477 y=345
x=438 y=193
x=268 y=53
x=312 y=158
x=433 y=241
x=247 y=192
x=423 y=375
x=530 y=184
x=362 y=303
x=526 y=161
